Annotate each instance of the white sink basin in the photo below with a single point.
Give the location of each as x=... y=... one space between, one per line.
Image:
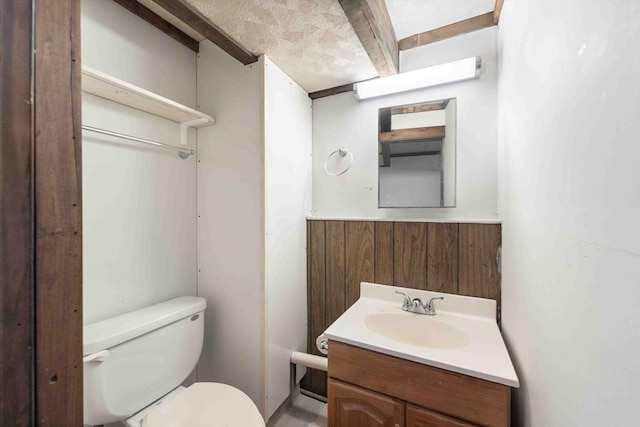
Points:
x=462 y=337
x=418 y=330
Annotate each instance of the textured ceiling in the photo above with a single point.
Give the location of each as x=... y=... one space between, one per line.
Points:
x=311 y=40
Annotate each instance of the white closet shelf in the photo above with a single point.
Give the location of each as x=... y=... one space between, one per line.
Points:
x=111 y=88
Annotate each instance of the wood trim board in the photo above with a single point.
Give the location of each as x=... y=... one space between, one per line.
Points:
x=413 y=134
x=17 y=339
x=372 y=24
x=316 y=259
x=448 y=31
x=184 y=11
x=336 y=90
x=420 y=108
x=335 y=271
x=331 y=91
x=41 y=381
x=58 y=213
x=146 y=14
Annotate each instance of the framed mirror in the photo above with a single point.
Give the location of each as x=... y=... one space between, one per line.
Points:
x=417 y=155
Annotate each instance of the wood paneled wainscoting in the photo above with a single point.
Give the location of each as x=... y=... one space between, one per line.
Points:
x=456 y=258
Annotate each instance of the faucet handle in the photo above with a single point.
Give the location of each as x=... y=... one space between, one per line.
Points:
x=429 y=307
x=406 y=304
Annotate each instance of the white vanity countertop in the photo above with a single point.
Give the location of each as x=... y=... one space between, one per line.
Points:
x=485 y=356
x=387 y=219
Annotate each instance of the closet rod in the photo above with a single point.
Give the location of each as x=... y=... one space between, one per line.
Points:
x=182 y=152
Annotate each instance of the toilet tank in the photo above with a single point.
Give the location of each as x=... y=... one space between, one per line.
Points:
x=132 y=360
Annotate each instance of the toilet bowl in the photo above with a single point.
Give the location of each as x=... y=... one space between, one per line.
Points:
x=134 y=366
x=202 y=405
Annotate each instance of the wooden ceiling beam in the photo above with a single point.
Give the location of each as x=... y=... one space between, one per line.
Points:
x=372 y=24
x=146 y=14
x=336 y=90
x=182 y=10
x=433 y=106
x=331 y=91
x=412 y=134
x=417 y=153
x=448 y=31
x=355 y=12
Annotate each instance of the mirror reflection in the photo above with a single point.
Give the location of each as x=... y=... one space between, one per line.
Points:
x=417 y=155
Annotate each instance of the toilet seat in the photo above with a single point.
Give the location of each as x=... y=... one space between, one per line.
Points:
x=206 y=405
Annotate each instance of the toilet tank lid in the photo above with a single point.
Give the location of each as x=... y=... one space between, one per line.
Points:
x=111 y=332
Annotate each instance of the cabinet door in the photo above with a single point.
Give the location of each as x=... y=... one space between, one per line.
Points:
x=351 y=406
x=420 y=417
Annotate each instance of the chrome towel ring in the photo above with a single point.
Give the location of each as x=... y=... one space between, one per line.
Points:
x=343 y=153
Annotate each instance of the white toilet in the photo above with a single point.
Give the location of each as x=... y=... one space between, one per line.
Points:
x=134 y=365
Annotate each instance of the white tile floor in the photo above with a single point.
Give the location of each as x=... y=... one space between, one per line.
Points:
x=305 y=412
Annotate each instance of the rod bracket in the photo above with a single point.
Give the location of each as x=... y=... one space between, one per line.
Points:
x=184 y=126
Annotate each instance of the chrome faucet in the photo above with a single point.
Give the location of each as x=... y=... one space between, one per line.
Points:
x=415 y=305
x=429 y=308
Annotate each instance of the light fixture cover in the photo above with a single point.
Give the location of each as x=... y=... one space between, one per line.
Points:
x=464 y=69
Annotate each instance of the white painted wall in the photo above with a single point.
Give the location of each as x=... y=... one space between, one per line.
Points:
x=231 y=222
x=341 y=120
x=139 y=203
x=417 y=120
x=481 y=42
x=570 y=208
x=120 y=44
x=287 y=148
x=253 y=195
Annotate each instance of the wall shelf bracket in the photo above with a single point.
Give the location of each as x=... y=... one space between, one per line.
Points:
x=184 y=126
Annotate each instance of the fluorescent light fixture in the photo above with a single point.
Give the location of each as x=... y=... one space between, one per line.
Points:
x=464 y=69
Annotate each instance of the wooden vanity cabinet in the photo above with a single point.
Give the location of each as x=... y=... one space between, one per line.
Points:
x=353 y=406
x=357 y=407
x=419 y=417
x=368 y=389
